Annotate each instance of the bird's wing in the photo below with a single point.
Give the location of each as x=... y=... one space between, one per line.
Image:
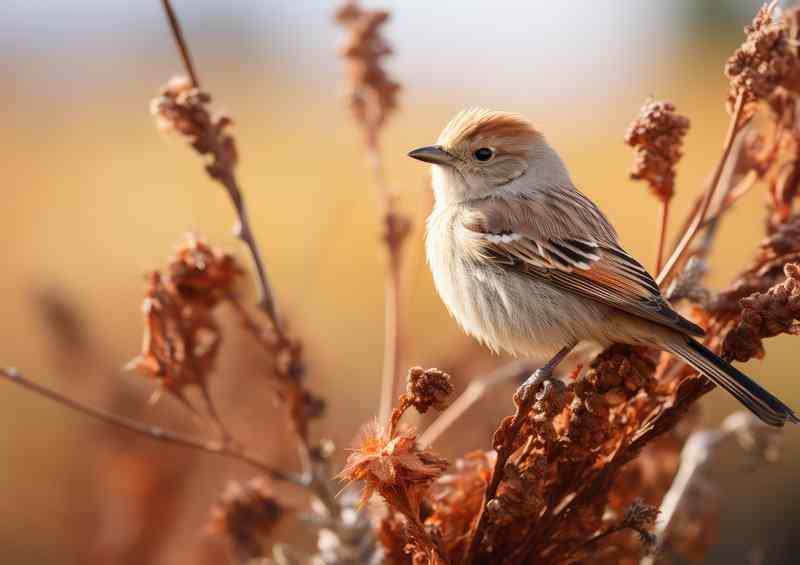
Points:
x=592 y=266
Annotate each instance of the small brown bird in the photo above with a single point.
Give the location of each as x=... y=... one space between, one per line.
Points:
x=527 y=264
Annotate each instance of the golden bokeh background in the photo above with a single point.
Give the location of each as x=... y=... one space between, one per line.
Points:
x=94 y=197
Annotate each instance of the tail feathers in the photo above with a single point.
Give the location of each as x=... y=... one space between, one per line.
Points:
x=758 y=400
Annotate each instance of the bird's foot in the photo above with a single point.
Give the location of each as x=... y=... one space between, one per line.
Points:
x=527 y=390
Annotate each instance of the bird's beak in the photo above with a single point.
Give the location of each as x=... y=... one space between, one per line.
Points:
x=433 y=154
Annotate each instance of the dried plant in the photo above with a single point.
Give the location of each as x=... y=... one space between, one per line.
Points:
x=594 y=466
x=372 y=99
x=656 y=136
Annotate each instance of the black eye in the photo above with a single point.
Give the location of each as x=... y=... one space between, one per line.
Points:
x=484 y=154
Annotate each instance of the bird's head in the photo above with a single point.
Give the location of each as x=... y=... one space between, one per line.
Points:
x=482 y=151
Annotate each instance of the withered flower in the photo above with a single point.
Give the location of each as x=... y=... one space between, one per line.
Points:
x=391 y=464
x=181 y=340
x=183 y=109
x=766 y=315
x=656 y=136
x=767 y=59
x=428 y=387
x=200 y=273
x=372 y=95
x=246 y=514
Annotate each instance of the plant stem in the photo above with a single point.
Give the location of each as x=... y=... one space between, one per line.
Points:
x=697 y=221
x=663 y=220
x=156 y=433
x=394 y=236
x=180 y=42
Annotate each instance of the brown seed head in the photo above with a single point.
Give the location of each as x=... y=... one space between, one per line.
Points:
x=428 y=387
x=766 y=315
x=183 y=109
x=768 y=58
x=373 y=95
x=656 y=136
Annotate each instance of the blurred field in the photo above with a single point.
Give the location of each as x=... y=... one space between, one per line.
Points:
x=94 y=197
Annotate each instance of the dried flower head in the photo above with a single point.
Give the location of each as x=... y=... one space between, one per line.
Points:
x=181 y=340
x=767 y=59
x=766 y=315
x=656 y=136
x=428 y=387
x=200 y=273
x=183 y=109
x=390 y=464
x=373 y=95
x=246 y=514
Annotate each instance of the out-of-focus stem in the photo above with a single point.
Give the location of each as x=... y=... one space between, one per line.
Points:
x=663 y=220
x=394 y=236
x=700 y=216
x=223 y=448
x=180 y=42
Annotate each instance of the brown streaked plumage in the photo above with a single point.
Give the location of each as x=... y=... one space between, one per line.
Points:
x=528 y=264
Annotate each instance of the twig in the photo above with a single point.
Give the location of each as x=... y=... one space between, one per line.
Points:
x=155 y=433
x=177 y=33
x=476 y=389
x=663 y=220
x=224 y=173
x=733 y=128
x=222 y=169
x=395 y=231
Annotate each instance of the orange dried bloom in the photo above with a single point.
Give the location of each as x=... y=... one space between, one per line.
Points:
x=656 y=136
x=767 y=59
x=391 y=463
x=200 y=273
x=373 y=95
x=428 y=387
x=181 y=339
x=246 y=514
x=183 y=109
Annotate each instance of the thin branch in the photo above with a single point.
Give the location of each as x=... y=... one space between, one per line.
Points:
x=680 y=250
x=663 y=220
x=395 y=231
x=180 y=42
x=225 y=174
x=476 y=389
x=155 y=433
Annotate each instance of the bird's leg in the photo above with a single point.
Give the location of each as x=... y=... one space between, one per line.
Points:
x=530 y=386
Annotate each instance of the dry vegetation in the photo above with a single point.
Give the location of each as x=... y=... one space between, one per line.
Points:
x=577 y=473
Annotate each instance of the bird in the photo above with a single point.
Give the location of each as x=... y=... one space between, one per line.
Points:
x=529 y=265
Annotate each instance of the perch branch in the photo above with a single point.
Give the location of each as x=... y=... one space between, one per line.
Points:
x=156 y=433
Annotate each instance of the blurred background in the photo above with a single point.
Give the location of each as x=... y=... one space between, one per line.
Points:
x=94 y=197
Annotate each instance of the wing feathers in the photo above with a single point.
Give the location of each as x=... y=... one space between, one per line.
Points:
x=600 y=271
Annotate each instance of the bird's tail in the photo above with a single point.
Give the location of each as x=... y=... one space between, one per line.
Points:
x=758 y=400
